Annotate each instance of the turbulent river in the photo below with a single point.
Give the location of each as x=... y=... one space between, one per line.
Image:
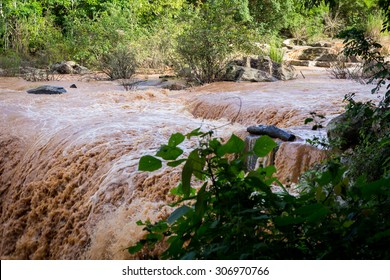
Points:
x=69 y=185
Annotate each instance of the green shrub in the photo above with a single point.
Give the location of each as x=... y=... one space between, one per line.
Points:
x=373 y=25
x=120 y=63
x=234 y=214
x=212 y=38
x=10 y=62
x=276 y=54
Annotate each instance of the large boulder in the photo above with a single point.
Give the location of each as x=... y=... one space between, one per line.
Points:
x=343 y=131
x=241 y=73
x=281 y=71
x=284 y=71
x=47 y=89
x=322 y=44
x=68 y=67
x=313 y=54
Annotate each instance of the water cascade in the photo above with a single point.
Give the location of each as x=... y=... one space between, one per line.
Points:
x=69 y=185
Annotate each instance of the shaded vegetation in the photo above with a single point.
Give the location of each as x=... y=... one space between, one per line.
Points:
x=342 y=208
x=234 y=214
x=175 y=34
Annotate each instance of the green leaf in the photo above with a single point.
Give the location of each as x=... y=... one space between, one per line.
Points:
x=153 y=237
x=179 y=190
x=178 y=213
x=195 y=132
x=187 y=172
x=136 y=248
x=160 y=227
x=374 y=188
x=169 y=152
x=149 y=163
x=176 y=139
x=313 y=212
x=176 y=163
x=348 y=223
x=234 y=145
x=264 y=145
x=326 y=178
x=320 y=195
x=308 y=120
x=201 y=203
x=198 y=164
x=385 y=235
x=269 y=170
x=287 y=220
x=176 y=245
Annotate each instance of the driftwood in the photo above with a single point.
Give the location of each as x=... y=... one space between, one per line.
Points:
x=271 y=131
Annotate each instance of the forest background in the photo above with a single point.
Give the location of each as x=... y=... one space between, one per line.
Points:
x=159 y=32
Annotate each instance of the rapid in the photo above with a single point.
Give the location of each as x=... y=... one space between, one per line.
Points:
x=69 y=185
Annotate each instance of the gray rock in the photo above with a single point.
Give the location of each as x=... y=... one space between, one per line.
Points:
x=299 y=62
x=68 y=67
x=281 y=71
x=175 y=86
x=322 y=44
x=325 y=64
x=284 y=72
x=344 y=131
x=318 y=54
x=240 y=73
x=47 y=89
x=290 y=43
x=185 y=72
x=78 y=69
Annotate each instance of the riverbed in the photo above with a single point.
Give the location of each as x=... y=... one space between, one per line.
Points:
x=69 y=183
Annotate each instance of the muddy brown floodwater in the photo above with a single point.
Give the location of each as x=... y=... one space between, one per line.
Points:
x=69 y=184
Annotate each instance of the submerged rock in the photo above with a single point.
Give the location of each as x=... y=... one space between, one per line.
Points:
x=47 y=90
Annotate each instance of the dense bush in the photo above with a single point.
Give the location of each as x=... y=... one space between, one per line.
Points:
x=164 y=33
x=120 y=63
x=234 y=214
x=214 y=35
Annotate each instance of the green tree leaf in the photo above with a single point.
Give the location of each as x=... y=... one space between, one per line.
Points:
x=233 y=145
x=176 y=162
x=193 y=166
x=149 y=163
x=264 y=145
x=176 y=139
x=169 y=152
x=178 y=213
x=195 y=132
x=136 y=248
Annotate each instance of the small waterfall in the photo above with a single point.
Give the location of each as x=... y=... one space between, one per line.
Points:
x=252 y=161
x=291 y=159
